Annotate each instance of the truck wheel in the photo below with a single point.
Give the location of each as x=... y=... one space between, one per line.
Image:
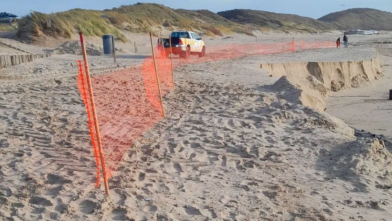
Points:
x=203 y=52
x=187 y=52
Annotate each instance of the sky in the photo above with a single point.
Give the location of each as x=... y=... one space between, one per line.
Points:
x=309 y=8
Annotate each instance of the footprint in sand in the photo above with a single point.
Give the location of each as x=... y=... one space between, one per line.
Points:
x=212 y=211
x=61 y=207
x=192 y=156
x=172 y=146
x=192 y=211
x=163 y=187
x=271 y=195
x=178 y=168
x=88 y=206
x=224 y=161
x=230 y=124
x=55 y=191
x=195 y=145
x=119 y=214
x=150 y=208
x=303 y=140
x=5 y=191
x=268 y=132
x=38 y=210
x=55 y=179
x=270 y=140
x=239 y=165
x=142 y=176
x=3 y=201
x=120 y=197
x=40 y=201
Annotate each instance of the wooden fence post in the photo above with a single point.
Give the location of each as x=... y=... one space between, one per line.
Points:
x=102 y=158
x=171 y=59
x=157 y=76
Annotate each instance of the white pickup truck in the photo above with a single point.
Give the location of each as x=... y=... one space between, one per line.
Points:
x=185 y=43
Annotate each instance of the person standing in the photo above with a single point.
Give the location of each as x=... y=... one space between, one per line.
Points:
x=338 y=43
x=345 y=40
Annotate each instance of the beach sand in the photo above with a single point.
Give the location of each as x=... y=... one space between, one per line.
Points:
x=231 y=147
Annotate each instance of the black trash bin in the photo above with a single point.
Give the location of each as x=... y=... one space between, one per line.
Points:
x=108 y=44
x=390 y=95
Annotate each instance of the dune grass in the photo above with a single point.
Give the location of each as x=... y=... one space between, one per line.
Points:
x=139 y=18
x=64 y=24
x=5 y=27
x=275 y=21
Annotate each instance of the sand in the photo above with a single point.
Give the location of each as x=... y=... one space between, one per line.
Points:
x=310 y=83
x=367 y=107
x=230 y=148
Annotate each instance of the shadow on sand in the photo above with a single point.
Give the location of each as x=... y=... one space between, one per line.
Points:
x=129 y=56
x=340 y=163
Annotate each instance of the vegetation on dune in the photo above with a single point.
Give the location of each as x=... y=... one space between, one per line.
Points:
x=141 y=17
x=144 y=18
x=135 y=18
x=6 y=27
x=360 y=18
x=276 y=21
x=64 y=24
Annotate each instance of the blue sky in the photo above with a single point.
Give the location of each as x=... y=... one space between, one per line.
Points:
x=310 y=8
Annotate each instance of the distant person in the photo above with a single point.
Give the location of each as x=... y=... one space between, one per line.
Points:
x=338 y=43
x=345 y=40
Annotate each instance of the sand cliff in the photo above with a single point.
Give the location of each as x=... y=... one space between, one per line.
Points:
x=310 y=83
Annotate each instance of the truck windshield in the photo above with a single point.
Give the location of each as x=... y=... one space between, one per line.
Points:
x=180 y=35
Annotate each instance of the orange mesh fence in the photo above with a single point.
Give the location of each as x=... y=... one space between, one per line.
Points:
x=151 y=82
x=128 y=102
x=83 y=89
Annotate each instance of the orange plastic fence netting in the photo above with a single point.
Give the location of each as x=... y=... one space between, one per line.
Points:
x=83 y=89
x=128 y=102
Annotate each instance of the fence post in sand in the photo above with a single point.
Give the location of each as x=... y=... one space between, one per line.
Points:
x=134 y=43
x=114 y=50
x=232 y=44
x=102 y=158
x=292 y=45
x=156 y=75
x=171 y=59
